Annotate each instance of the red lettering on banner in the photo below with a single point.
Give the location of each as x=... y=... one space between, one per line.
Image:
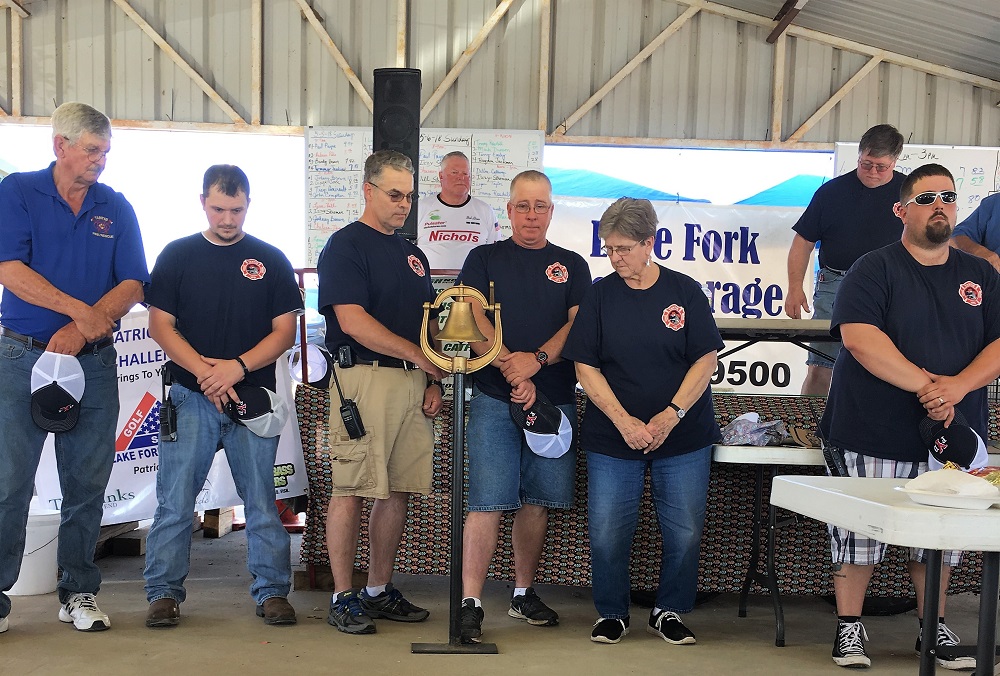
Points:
x=134 y=421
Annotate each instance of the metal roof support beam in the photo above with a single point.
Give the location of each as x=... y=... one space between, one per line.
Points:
x=16 y=8
x=310 y=14
x=778 y=88
x=256 y=60
x=636 y=61
x=835 y=99
x=848 y=45
x=784 y=17
x=401 y=19
x=653 y=142
x=545 y=57
x=464 y=60
x=179 y=60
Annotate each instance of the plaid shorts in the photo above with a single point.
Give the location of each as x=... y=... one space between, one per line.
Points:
x=849 y=547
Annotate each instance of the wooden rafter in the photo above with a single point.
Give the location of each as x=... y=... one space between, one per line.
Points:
x=784 y=17
x=463 y=60
x=256 y=60
x=401 y=21
x=545 y=56
x=778 y=88
x=179 y=60
x=310 y=14
x=16 y=7
x=639 y=58
x=16 y=64
x=835 y=99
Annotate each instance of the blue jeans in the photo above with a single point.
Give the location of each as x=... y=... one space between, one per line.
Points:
x=614 y=489
x=503 y=471
x=84 y=457
x=824 y=294
x=184 y=465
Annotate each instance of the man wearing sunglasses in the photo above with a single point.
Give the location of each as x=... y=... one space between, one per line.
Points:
x=979 y=234
x=920 y=324
x=850 y=216
x=453 y=223
x=372 y=287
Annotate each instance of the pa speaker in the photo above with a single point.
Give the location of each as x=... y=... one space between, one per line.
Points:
x=396 y=123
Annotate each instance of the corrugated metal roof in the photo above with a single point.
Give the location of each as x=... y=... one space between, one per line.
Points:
x=960 y=34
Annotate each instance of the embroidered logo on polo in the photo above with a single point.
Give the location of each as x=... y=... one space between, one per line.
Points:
x=102 y=227
x=416 y=265
x=557 y=273
x=971 y=293
x=673 y=317
x=253 y=269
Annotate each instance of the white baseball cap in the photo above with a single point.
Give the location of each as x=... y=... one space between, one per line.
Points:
x=57 y=386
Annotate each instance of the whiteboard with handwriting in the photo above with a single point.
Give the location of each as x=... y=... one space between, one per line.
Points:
x=975 y=168
x=335 y=158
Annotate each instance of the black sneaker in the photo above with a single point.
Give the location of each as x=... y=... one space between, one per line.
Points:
x=667 y=625
x=471 y=621
x=946 y=639
x=849 y=646
x=347 y=615
x=391 y=605
x=530 y=608
x=607 y=630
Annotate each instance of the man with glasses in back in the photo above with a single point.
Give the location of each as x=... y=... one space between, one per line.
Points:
x=920 y=323
x=452 y=223
x=372 y=287
x=539 y=287
x=850 y=216
x=71 y=264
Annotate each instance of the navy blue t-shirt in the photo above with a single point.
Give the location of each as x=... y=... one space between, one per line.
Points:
x=644 y=341
x=850 y=219
x=940 y=317
x=223 y=297
x=386 y=275
x=536 y=289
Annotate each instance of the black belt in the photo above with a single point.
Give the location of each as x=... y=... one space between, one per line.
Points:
x=388 y=362
x=839 y=272
x=33 y=343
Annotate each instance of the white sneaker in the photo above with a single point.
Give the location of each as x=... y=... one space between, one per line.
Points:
x=82 y=611
x=4 y=624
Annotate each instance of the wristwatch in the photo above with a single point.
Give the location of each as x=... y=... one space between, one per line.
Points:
x=542 y=356
x=680 y=411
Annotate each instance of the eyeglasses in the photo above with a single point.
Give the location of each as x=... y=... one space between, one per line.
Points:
x=925 y=199
x=867 y=165
x=539 y=208
x=93 y=153
x=620 y=250
x=395 y=195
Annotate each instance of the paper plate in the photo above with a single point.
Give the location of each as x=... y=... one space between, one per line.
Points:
x=948 y=499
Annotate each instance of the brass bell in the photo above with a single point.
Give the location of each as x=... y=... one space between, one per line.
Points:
x=460 y=326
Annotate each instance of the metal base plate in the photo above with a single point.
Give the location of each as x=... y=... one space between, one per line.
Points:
x=454 y=648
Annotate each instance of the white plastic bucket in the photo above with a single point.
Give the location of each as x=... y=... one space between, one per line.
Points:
x=38 y=565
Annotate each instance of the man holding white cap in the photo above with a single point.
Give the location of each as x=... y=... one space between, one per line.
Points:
x=539 y=286
x=223 y=306
x=71 y=264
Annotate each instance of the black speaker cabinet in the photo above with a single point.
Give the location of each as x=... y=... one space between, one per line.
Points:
x=396 y=123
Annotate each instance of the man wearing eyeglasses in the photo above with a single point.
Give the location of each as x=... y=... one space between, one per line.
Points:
x=454 y=222
x=849 y=216
x=920 y=324
x=71 y=264
x=372 y=287
x=979 y=234
x=539 y=287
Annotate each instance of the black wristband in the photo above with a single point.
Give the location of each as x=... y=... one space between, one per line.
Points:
x=246 y=371
x=435 y=382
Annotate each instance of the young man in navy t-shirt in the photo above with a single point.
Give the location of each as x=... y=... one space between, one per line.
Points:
x=920 y=323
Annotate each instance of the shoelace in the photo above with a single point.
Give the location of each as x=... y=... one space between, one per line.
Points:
x=84 y=602
x=352 y=604
x=849 y=637
x=946 y=636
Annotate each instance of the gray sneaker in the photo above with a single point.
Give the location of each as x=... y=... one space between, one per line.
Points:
x=391 y=605
x=347 y=614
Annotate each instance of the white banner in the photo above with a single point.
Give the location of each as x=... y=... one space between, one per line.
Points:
x=131 y=492
x=737 y=253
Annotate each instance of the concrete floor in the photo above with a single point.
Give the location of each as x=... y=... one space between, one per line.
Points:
x=220 y=635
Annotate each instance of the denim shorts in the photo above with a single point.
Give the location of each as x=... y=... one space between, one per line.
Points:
x=503 y=471
x=827 y=283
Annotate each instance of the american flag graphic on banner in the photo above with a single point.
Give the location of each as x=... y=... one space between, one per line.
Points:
x=142 y=429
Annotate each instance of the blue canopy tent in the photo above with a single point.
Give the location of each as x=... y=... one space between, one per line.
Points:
x=583 y=183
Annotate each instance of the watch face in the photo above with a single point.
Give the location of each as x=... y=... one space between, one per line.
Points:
x=681 y=413
x=542 y=357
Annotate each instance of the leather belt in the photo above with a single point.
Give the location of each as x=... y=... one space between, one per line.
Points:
x=33 y=343
x=388 y=362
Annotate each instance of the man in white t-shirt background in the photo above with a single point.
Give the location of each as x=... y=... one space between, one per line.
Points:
x=451 y=223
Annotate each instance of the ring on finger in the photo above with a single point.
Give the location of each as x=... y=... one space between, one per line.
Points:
x=941 y=400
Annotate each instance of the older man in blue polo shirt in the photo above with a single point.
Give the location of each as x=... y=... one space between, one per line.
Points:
x=71 y=264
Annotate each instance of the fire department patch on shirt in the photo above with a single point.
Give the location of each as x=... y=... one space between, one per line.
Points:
x=253 y=269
